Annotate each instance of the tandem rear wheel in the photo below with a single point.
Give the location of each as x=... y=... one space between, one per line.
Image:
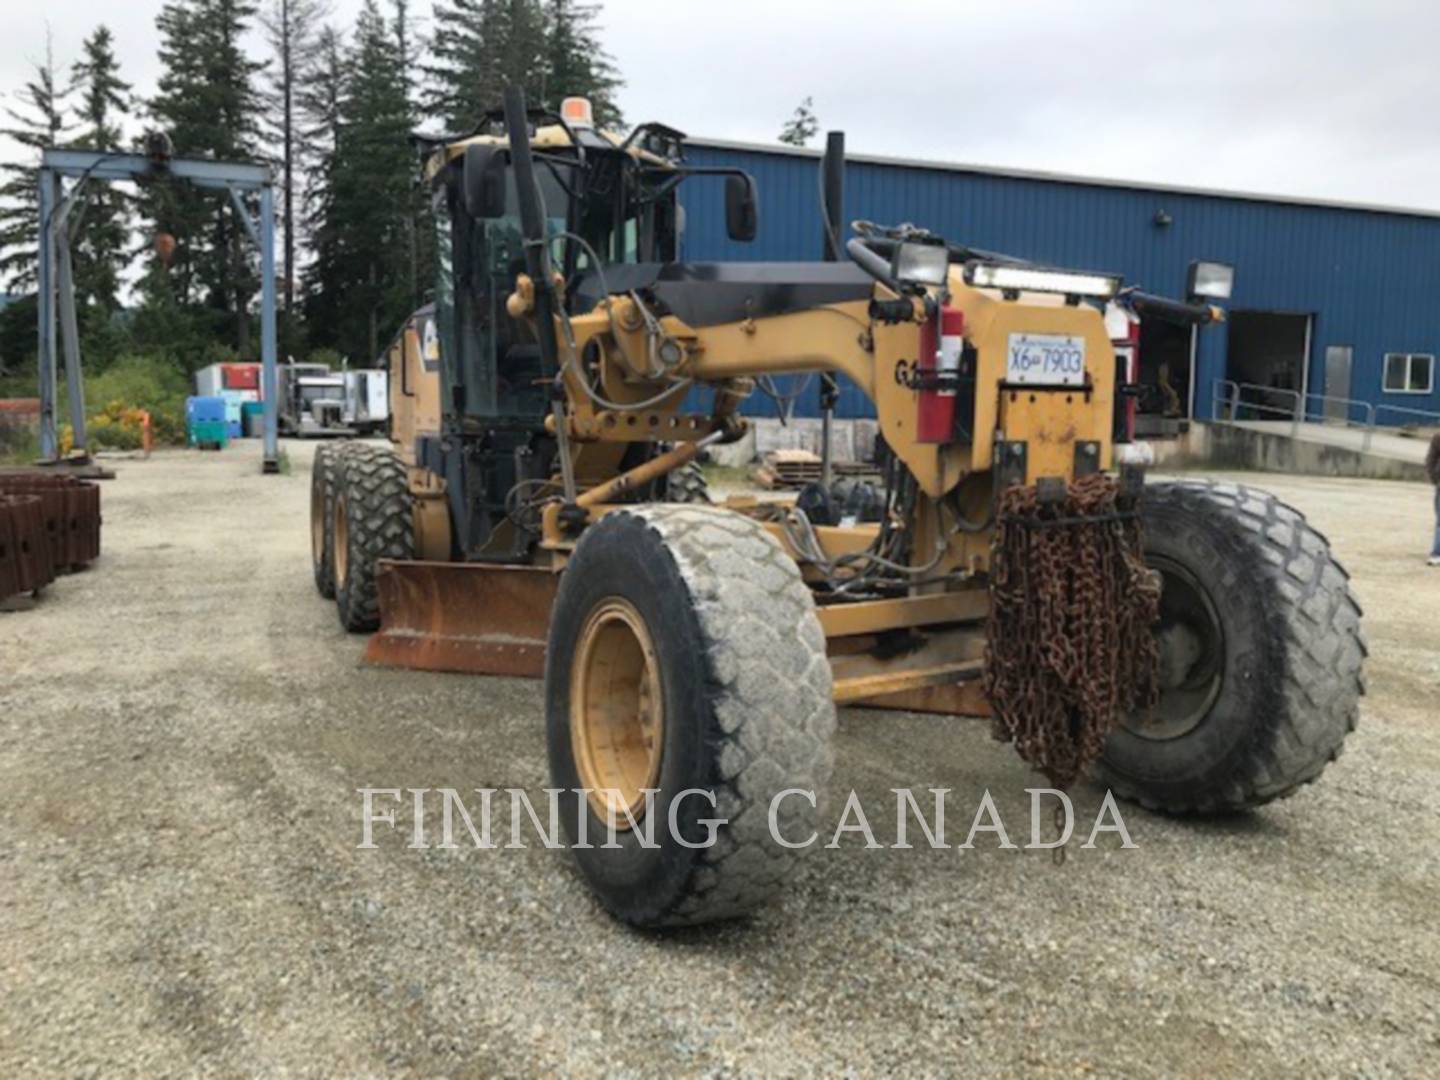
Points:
x=685 y=659
x=372 y=518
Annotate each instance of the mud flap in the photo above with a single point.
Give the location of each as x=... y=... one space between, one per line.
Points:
x=463 y=617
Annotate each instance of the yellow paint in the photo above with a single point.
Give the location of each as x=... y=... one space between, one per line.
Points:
x=414 y=393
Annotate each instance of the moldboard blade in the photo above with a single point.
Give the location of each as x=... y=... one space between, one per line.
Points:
x=464 y=617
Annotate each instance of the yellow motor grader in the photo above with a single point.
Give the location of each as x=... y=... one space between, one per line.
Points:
x=1195 y=644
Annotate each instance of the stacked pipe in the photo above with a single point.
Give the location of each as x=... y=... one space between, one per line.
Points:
x=48 y=525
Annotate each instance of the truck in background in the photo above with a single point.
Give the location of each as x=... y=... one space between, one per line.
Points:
x=367 y=400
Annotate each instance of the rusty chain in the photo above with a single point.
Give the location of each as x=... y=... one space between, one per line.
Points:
x=1069 y=645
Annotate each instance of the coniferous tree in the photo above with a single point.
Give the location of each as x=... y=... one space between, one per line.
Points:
x=291 y=29
x=364 y=233
x=522 y=47
x=552 y=49
x=319 y=100
x=208 y=104
x=802 y=126
x=417 y=205
x=576 y=64
x=38 y=121
x=480 y=47
x=101 y=245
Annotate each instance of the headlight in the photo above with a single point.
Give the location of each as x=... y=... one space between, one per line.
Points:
x=920 y=264
x=1213 y=280
x=1029 y=279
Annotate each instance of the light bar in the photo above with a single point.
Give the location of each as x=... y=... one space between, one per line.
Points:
x=1029 y=279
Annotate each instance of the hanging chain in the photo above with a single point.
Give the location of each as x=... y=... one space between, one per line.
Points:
x=1070 y=648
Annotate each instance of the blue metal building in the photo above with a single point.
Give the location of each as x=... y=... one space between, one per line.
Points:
x=1331 y=300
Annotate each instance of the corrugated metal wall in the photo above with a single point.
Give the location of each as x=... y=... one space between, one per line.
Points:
x=1370 y=279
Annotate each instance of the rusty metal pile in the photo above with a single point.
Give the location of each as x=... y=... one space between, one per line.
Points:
x=49 y=525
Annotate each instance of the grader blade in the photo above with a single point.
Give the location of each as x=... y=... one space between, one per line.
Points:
x=463 y=617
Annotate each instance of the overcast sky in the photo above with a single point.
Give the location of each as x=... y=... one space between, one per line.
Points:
x=1324 y=98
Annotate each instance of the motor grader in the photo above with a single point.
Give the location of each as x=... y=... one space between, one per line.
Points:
x=1192 y=645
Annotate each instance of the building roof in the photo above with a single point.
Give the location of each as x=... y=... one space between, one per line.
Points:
x=1043 y=176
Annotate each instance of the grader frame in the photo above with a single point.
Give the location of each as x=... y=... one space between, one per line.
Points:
x=1049 y=431
x=706 y=649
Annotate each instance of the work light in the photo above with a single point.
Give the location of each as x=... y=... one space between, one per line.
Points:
x=1031 y=279
x=1212 y=280
x=920 y=264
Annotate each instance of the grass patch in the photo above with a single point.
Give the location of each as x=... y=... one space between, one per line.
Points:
x=18 y=446
x=726 y=474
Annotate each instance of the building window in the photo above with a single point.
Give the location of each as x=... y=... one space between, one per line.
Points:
x=1409 y=373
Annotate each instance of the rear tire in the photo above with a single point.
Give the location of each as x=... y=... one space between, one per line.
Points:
x=323 y=475
x=374 y=520
x=687 y=484
x=1261 y=654
x=739 y=688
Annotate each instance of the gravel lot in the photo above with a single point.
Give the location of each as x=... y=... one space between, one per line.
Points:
x=184 y=726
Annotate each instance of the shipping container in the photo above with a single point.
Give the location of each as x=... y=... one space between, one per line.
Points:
x=241 y=377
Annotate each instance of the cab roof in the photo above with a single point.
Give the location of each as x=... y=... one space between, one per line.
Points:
x=548 y=137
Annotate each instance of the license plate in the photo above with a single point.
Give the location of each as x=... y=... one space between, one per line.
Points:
x=1046 y=360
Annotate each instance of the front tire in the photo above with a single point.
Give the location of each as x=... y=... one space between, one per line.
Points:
x=374 y=519
x=685 y=653
x=1261 y=654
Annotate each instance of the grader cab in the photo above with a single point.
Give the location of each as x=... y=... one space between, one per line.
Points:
x=1194 y=645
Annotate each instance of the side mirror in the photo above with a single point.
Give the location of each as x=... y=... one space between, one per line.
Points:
x=742 y=211
x=484 y=181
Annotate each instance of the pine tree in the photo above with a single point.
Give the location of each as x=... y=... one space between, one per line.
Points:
x=362 y=240
x=39 y=122
x=105 y=97
x=101 y=245
x=481 y=46
x=417 y=206
x=576 y=65
x=291 y=29
x=319 y=100
x=801 y=127
x=208 y=104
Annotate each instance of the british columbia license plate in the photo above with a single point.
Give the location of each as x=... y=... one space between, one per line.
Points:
x=1046 y=360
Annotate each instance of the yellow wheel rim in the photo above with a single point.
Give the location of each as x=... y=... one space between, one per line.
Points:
x=317 y=523
x=617 y=718
x=341 y=541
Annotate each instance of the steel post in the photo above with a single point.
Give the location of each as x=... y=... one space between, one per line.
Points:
x=45 y=294
x=832 y=188
x=271 y=463
x=69 y=325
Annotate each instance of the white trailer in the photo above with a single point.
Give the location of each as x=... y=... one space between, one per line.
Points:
x=367 y=399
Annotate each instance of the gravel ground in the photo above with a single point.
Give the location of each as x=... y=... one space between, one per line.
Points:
x=183 y=728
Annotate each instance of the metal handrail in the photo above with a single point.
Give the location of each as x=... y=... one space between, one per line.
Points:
x=1348 y=403
x=1433 y=417
x=1235 y=399
x=1229 y=393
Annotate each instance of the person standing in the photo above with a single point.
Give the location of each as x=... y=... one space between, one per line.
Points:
x=1432 y=467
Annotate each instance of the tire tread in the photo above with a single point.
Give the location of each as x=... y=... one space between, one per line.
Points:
x=381 y=524
x=1317 y=623
x=771 y=696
